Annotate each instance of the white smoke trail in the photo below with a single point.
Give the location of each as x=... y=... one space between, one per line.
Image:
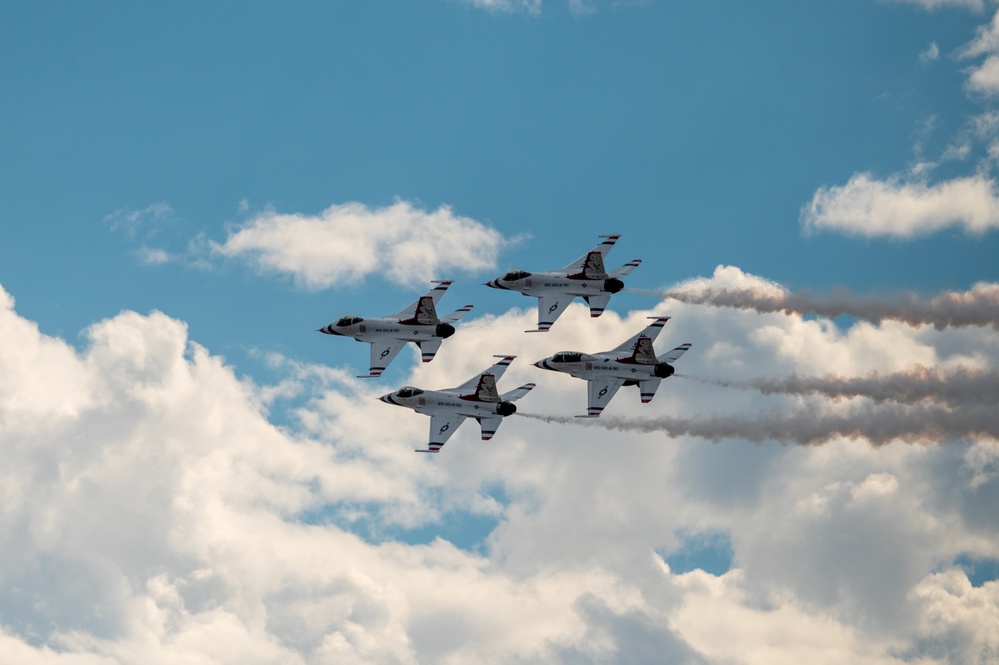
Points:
x=954 y=387
x=878 y=426
x=976 y=307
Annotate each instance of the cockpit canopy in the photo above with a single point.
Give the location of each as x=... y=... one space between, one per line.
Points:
x=514 y=275
x=345 y=321
x=567 y=357
x=408 y=391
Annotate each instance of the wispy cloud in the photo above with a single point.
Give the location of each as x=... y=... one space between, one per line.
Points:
x=931 y=53
x=146 y=220
x=976 y=5
x=348 y=242
x=506 y=6
x=984 y=78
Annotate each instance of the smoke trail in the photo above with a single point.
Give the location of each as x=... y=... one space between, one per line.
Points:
x=879 y=425
x=977 y=307
x=960 y=386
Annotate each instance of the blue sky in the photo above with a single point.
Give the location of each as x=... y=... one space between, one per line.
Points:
x=822 y=146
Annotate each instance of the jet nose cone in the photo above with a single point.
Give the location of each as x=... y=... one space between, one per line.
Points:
x=328 y=330
x=385 y=398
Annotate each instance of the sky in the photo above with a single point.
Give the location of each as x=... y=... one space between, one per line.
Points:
x=193 y=474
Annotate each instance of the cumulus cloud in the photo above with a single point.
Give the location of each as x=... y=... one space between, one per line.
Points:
x=904 y=208
x=152 y=512
x=348 y=242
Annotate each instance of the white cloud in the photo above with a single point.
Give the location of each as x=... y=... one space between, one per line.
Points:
x=900 y=208
x=348 y=242
x=976 y=5
x=931 y=53
x=150 y=513
x=130 y=222
x=503 y=6
x=984 y=78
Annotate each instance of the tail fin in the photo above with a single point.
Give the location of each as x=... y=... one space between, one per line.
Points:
x=486 y=390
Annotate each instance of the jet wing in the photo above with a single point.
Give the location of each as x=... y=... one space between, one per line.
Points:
x=424 y=310
x=382 y=353
x=651 y=331
x=599 y=393
x=591 y=264
x=671 y=356
x=550 y=307
x=442 y=426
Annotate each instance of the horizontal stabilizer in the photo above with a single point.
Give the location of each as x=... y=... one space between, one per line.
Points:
x=672 y=356
x=517 y=393
x=625 y=269
x=457 y=314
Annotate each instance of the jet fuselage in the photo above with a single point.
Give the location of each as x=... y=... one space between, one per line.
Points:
x=374 y=329
x=539 y=283
x=430 y=402
x=593 y=366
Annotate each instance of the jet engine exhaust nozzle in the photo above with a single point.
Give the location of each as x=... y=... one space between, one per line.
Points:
x=444 y=330
x=506 y=408
x=613 y=285
x=664 y=370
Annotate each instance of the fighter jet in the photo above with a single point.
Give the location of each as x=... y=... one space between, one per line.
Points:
x=417 y=323
x=584 y=277
x=476 y=398
x=633 y=363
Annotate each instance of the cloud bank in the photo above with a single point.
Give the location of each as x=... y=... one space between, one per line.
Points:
x=346 y=243
x=153 y=513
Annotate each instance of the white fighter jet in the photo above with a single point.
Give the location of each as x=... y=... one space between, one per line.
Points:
x=633 y=363
x=476 y=398
x=584 y=277
x=417 y=323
